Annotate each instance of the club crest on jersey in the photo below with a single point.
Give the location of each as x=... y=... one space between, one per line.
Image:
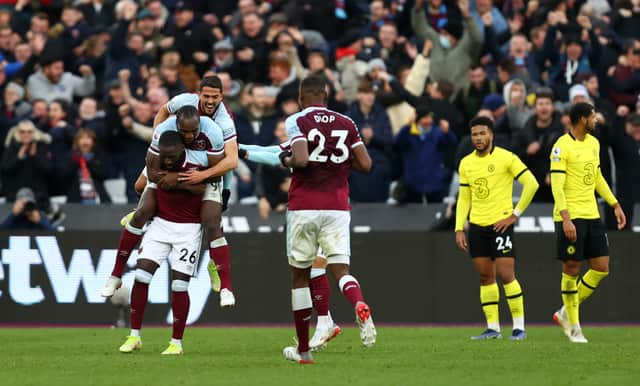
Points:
x=491 y=168
x=571 y=249
x=199 y=144
x=324 y=118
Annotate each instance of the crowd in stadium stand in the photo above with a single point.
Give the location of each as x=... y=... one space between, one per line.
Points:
x=81 y=82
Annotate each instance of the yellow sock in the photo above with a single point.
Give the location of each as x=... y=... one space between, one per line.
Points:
x=588 y=283
x=513 y=293
x=489 y=298
x=569 y=287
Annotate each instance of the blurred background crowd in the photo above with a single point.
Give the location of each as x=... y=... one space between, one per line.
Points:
x=80 y=83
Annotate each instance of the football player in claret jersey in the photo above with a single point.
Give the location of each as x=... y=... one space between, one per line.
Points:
x=198 y=133
x=174 y=235
x=208 y=103
x=580 y=234
x=325 y=146
x=486 y=196
x=326 y=328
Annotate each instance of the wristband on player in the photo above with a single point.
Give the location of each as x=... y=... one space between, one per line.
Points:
x=282 y=157
x=517 y=213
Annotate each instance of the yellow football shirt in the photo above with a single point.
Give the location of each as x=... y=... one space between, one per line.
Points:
x=490 y=179
x=575 y=176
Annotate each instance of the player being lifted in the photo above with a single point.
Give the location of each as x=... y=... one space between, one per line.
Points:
x=209 y=104
x=580 y=234
x=325 y=145
x=174 y=234
x=486 y=196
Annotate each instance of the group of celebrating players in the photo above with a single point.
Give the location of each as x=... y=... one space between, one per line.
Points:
x=185 y=188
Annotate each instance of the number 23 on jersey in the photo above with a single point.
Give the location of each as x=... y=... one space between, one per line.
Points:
x=340 y=153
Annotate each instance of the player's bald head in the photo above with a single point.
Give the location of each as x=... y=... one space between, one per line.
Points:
x=313 y=90
x=171 y=149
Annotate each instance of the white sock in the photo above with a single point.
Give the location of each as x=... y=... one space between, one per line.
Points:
x=135 y=332
x=330 y=319
x=177 y=342
x=518 y=323
x=323 y=322
x=563 y=312
x=494 y=326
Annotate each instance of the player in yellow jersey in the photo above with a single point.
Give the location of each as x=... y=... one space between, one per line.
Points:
x=575 y=174
x=486 y=196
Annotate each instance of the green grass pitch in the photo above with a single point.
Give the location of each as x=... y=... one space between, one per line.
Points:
x=253 y=356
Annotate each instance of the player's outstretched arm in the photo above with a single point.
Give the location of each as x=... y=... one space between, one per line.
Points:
x=361 y=160
x=228 y=163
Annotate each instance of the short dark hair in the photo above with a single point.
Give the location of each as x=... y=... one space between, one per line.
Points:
x=481 y=121
x=544 y=92
x=170 y=138
x=579 y=111
x=445 y=88
x=187 y=112
x=313 y=84
x=211 y=81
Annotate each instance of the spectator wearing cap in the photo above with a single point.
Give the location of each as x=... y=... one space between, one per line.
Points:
x=250 y=49
x=25 y=214
x=26 y=162
x=534 y=142
x=625 y=78
x=454 y=50
x=277 y=23
x=421 y=146
x=147 y=27
x=126 y=50
x=625 y=143
x=52 y=82
x=375 y=130
x=566 y=64
x=191 y=37
x=98 y=13
x=223 y=60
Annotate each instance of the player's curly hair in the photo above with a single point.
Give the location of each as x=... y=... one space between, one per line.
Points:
x=580 y=110
x=187 y=112
x=481 y=121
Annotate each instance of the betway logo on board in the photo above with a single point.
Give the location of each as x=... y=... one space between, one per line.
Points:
x=65 y=282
